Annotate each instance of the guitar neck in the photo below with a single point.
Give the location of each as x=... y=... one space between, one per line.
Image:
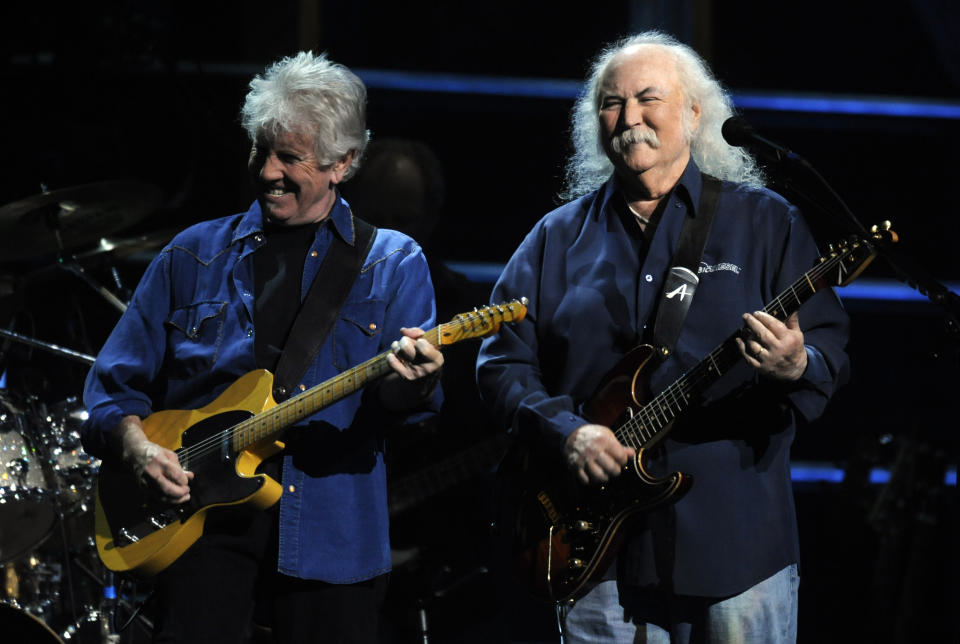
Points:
x=270 y=424
x=653 y=420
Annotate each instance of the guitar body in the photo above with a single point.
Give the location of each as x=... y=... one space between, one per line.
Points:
x=135 y=532
x=564 y=534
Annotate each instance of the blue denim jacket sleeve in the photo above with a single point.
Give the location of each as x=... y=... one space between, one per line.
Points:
x=121 y=379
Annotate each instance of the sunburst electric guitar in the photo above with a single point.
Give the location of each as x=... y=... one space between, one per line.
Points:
x=224 y=442
x=562 y=535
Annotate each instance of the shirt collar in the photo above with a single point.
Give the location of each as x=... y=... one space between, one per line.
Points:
x=688 y=188
x=341 y=220
x=340 y=217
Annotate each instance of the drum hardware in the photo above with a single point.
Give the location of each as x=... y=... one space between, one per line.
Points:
x=27 y=500
x=48 y=346
x=52 y=585
x=103 y=291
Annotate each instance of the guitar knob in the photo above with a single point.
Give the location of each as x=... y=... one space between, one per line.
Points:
x=575 y=563
x=583 y=526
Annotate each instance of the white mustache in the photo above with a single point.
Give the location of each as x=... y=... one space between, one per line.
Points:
x=633 y=136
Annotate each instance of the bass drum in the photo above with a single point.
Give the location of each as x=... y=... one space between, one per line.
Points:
x=28 y=510
x=20 y=626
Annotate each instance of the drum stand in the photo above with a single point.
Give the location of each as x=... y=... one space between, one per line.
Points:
x=435 y=592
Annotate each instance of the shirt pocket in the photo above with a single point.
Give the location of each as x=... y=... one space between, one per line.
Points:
x=356 y=334
x=194 y=334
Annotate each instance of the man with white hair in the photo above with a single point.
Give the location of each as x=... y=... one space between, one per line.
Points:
x=221 y=300
x=720 y=564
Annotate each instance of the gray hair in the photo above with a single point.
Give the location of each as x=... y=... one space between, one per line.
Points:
x=588 y=167
x=311 y=96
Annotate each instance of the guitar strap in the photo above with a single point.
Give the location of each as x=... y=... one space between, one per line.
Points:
x=319 y=309
x=681 y=283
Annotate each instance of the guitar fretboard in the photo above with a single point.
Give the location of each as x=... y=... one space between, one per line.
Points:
x=653 y=419
x=271 y=423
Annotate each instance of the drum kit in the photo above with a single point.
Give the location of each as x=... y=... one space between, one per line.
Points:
x=53 y=585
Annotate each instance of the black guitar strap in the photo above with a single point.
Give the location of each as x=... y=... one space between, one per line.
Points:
x=681 y=283
x=319 y=309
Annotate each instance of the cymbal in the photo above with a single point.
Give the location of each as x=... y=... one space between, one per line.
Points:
x=124 y=247
x=82 y=214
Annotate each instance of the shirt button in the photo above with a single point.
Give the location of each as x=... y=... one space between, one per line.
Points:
x=372 y=326
x=249 y=333
x=313 y=253
x=678 y=205
x=259 y=238
x=303 y=387
x=648 y=277
x=291 y=489
x=193 y=331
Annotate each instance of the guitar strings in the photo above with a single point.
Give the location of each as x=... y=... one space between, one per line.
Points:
x=687 y=386
x=337 y=386
x=472 y=321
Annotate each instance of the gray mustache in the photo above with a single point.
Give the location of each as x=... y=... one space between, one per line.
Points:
x=633 y=136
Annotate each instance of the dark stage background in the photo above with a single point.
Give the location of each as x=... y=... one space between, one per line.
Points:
x=149 y=91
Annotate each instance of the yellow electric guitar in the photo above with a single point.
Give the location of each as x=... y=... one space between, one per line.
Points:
x=224 y=442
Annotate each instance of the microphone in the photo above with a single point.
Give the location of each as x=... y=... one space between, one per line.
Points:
x=738 y=133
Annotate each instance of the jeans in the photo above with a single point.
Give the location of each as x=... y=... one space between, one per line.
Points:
x=763 y=614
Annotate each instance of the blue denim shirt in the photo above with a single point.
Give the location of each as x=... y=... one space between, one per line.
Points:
x=590 y=303
x=189 y=333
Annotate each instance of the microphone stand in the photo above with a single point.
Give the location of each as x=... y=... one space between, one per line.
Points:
x=906 y=269
x=927 y=507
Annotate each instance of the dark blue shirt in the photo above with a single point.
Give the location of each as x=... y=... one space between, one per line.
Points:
x=189 y=333
x=590 y=301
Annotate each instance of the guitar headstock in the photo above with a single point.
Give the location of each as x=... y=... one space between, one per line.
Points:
x=482 y=322
x=851 y=256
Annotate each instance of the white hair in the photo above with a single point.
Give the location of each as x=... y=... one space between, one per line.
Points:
x=588 y=167
x=311 y=96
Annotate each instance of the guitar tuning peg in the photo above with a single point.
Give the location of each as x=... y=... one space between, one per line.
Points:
x=887 y=225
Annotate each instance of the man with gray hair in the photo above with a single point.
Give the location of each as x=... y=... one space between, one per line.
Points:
x=721 y=563
x=222 y=299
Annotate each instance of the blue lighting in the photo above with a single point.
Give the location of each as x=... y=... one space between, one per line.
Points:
x=869 y=106
x=862 y=289
x=467 y=84
x=569 y=89
x=885 y=291
x=813 y=472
